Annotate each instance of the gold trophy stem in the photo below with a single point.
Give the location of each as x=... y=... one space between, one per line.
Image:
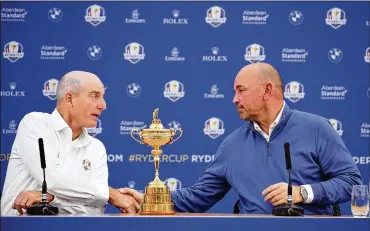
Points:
x=156 y=152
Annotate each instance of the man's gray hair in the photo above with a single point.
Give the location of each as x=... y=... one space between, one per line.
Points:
x=68 y=84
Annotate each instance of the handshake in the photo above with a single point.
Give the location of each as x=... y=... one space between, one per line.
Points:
x=127 y=200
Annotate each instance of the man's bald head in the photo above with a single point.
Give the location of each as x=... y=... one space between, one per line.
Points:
x=74 y=82
x=261 y=73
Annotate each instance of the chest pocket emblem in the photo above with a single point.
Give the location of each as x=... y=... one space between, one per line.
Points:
x=86 y=164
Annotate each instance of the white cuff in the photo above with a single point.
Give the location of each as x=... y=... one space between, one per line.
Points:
x=309 y=192
x=102 y=194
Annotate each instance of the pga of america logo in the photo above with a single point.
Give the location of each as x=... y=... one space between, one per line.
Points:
x=214 y=127
x=96 y=130
x=216 y=16
x=55 y=14
x=173 y=184
x=174 y=90
x=95 y=15
x=336 y=18
x=13 y=51
x=367 y=55
x=294 y=91
x=255 y=53
x=134 y=52
x=337 y=125
x=296 y=17
x=50 y=89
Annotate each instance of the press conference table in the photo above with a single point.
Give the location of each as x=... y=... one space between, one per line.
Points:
x=185 y=222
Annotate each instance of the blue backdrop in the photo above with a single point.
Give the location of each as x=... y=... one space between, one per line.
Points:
x=182 y=57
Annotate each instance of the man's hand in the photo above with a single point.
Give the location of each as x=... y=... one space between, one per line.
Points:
x=277 y=194
x=26 y=199
x=132 y=192
x=124 y=202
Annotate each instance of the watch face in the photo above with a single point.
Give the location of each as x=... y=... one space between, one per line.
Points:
x=304 y=193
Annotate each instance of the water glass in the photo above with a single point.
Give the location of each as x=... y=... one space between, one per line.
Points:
x=360 y=200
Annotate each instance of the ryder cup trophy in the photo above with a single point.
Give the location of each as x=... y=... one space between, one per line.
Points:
x=157 y=197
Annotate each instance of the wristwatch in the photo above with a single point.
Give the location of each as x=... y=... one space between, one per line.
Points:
x=304 y=193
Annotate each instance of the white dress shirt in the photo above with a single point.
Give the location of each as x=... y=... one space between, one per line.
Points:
x=76 y=171
x=267 y=137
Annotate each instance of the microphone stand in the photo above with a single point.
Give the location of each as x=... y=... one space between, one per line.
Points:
x=43 y=207
x=289 y=209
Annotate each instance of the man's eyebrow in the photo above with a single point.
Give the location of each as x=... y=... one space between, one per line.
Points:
x=240 y=86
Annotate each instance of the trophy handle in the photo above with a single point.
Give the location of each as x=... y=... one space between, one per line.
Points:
x=137 y=132
x=175 y=131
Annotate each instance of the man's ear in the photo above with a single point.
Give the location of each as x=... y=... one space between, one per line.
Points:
x=268 y=91
x=68 y=99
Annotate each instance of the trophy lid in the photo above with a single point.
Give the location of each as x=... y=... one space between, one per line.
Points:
x=156 y=123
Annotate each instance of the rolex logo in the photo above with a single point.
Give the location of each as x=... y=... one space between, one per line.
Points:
x=12 y=86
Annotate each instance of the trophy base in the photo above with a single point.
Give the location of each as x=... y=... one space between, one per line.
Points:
x=157 y=200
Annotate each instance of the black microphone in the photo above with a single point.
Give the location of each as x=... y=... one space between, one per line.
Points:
x=289 y=209
x=43 y=207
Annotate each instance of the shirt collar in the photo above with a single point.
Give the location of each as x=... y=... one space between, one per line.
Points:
x=60 y=124
x=276 y=121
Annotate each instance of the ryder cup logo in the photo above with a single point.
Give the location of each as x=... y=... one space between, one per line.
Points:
x=13 y=51
x=337 y=125
x=215 y=16
x=336 y=18
x=95 y=15
x=214 y=127
x=133 y=90
x=335 y=55
x=173 y=184
x=174 y=90
x=367 y=55
x=86 y=164
x=96 y=130
x=255 y=53
x=295 y=17
x=134 y=52
x=94 y=52
x=294 y=91
x=50 y=89
x=55 y=14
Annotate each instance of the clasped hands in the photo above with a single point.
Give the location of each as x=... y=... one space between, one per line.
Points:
x=125 y=199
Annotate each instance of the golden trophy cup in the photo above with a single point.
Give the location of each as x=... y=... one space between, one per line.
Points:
x=157 y=197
